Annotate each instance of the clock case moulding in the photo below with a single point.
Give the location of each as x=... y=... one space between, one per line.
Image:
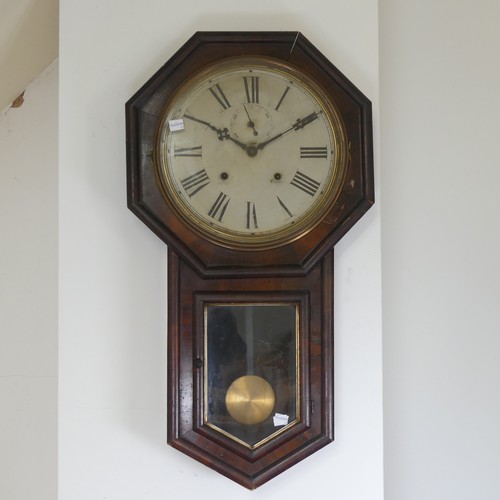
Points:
x=203 y=272
x=144 y=111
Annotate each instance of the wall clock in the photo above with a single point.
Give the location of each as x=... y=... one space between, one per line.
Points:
x=250 y=155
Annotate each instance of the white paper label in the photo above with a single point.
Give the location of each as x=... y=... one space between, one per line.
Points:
x=280 y=419
x=176 y=125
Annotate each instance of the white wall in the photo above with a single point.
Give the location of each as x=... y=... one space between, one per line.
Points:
x=28 y=294
x=440 y=163
x=112 y=303
x=28 y=43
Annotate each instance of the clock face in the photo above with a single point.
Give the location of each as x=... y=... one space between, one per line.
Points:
x=251 y=154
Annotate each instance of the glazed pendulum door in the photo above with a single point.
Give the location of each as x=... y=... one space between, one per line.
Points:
x=251 y=369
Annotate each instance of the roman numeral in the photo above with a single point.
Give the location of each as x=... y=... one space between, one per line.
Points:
x=252 y=88
x=251 y=216
x=284 y=207
x=194 y=152
x=282 y=98
x=313 y=152
x=305 y=183
x=195 y=182
x=220 y=97
x=219 y=207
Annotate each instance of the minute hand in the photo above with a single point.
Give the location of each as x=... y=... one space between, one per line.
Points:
x=222 y=133
x=300 y=123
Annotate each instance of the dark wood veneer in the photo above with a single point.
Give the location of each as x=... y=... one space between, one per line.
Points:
x=186 y=429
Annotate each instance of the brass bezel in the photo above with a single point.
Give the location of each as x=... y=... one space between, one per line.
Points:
x=269 y=239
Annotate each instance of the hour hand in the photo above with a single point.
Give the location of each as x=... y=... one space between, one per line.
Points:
x=305 y=121
x=300 y=123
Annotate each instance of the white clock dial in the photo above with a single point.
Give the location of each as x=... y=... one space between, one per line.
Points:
x=259 y=156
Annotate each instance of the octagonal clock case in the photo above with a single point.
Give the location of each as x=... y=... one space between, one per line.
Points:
x=250 y=155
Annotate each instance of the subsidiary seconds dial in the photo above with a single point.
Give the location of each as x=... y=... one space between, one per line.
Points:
x=251 y=154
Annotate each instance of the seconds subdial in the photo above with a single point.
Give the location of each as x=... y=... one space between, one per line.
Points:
x=251 y=124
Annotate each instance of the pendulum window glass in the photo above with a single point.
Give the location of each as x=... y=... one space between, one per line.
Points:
x=251 y=370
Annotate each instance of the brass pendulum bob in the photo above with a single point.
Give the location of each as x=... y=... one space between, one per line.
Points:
x=250 y=399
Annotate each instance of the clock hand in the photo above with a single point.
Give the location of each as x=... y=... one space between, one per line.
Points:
x=250 y=123
x=238 y=143
x=222 y=133
x=300 y=123
x=251 y=150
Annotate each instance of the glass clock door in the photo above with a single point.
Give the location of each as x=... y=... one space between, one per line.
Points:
x=251 y=369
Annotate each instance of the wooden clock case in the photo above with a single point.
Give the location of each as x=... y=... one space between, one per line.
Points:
x=202 y=272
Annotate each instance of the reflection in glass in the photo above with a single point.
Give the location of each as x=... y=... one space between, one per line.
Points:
x=251 y=369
